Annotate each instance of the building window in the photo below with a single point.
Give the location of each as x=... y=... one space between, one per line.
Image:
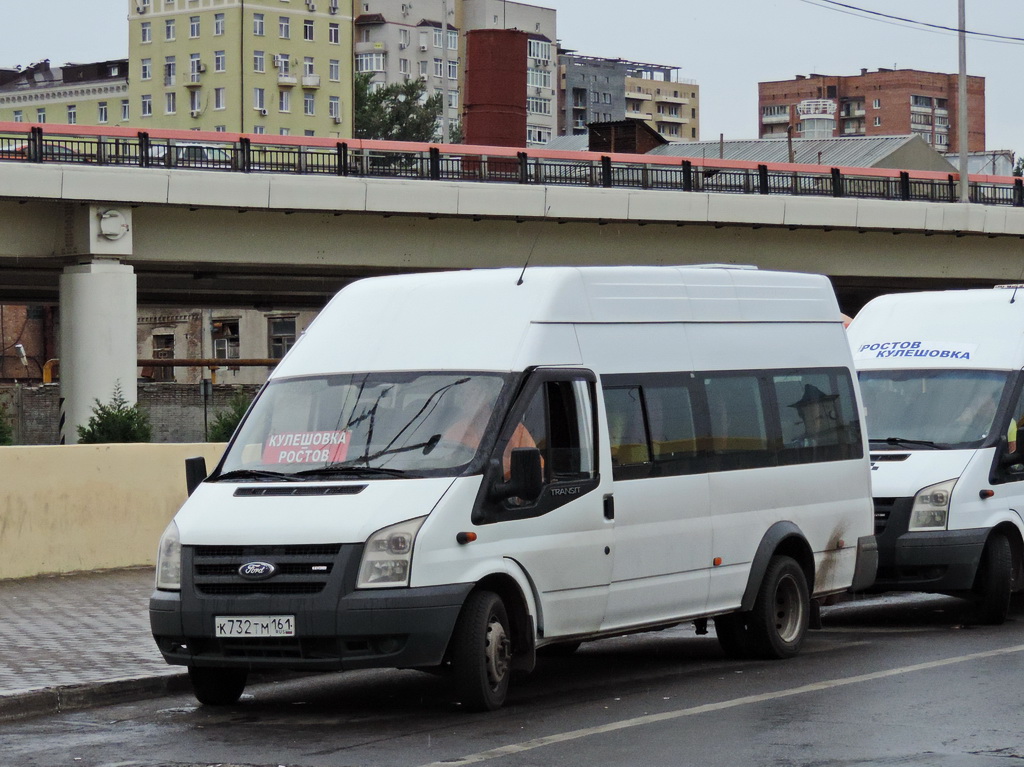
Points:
x=147 y=32
x=163 y=349
x=453 y=40
x=283 y=63
x=307 y=30
x=171 y=102
x=404 y=38
x=193 y=67
x=921 y=101
x=334 y=70
x=259 y=61
x=101 y=112
x=878 y=122
x=147 y=106
x=404 y=68
x=371 y=62
x=308 y=104
x=225 y=339
x=72 y=114
x=776 y=110
x=284 y=27
x=453 y=69
x=453 y=99
x=876 y=104
x=147 y=69
x=125 y=110
x=334 y=107
x=170 y=70
x=193 y=26
x=218 y=24
x=538 y=78
x=258 y=99
x=220 y=61
x=258 y=27
x=195 y=100
x=438 y=67
x=219 y=101
x=169 y=29
x=259 y=130
x=423 y=68
x=284 y=101
x=538 y=106
x=281 y=336
x=437 y=38
x=220 y=129
x=536 y=134
x=539 y=49
x=285 y=131
x=307 y=66
x=41 y=115
x=334 y=34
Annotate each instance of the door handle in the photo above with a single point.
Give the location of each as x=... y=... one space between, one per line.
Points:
x=609 y=506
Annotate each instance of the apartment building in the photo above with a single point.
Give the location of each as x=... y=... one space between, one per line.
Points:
x=883 y=103
x=604 y=90
x=92 y=94
x=279 y=67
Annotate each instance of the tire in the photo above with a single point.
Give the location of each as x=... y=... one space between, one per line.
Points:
x=993 y=583
x=217 y=686
x=778 y=622
x=734 y=636
x=481 y=655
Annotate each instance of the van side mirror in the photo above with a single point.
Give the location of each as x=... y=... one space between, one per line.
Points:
x=526 y=476
x=195 y=472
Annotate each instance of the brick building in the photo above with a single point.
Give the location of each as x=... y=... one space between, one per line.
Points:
x=888 y=102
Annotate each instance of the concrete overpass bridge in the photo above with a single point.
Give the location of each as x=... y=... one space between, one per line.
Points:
x=114 y=218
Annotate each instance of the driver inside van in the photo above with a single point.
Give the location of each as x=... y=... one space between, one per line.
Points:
x=817 y=412
x=469 y=428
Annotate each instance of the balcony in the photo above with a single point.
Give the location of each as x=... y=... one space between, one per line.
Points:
x=311 y=81
x=630 y=94
x=775 y=119
x=635 y=115
x=287 y=81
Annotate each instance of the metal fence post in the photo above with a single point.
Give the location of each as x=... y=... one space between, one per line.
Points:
x=144 y=156
x=342 y=158
x=524 y=170
x=904 y=185
x=606 y=172
x=245 y=150
x=762 y=177
x=687 y=176
x=435 y=164
x=35 y=144
x=951 y=185
x=1018 y=193
x=837 y=183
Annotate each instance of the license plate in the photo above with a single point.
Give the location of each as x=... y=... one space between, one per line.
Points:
x=254 y=625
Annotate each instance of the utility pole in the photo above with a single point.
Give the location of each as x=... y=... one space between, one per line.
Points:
x=445 y=127
x=965 y=192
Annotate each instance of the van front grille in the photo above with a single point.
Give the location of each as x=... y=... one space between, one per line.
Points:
x=299 y=569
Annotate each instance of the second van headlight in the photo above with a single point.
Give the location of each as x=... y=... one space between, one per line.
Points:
x=931 y=506
x=387 y=558
x=168 y=560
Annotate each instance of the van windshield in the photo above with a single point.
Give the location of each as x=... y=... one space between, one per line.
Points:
x=369 y=424
x=950 y=408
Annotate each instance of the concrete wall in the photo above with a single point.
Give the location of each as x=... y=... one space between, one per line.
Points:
x=89 y=507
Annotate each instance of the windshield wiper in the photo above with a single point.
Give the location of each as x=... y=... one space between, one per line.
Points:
x=254 y=474
x=354 y=470
x=900 y=441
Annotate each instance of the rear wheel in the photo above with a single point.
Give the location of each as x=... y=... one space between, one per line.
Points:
x=778 y=622
x=481 y=653
x=993 y=583
x=217 y=686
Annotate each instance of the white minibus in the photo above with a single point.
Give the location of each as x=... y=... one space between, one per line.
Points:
x=941 y=378
x=454 y=471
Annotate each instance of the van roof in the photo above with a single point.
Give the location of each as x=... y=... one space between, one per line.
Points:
x=479 y=319
x=978 y=328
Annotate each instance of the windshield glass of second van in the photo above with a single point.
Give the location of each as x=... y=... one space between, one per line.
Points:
x=429 y=423
x=954 y=408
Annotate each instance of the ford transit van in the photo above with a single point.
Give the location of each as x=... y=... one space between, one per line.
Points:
x=941 y=377
x=455 y=471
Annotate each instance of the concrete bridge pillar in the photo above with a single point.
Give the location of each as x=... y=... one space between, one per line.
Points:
x=98 y=317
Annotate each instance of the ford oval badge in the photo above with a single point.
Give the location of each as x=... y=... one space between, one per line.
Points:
x=257 y=571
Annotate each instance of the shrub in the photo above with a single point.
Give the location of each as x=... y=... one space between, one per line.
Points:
x=226 y=421
x=116 y=422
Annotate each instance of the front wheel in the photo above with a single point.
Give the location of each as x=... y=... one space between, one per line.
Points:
x=481 y=654
x=993 y=583
x=217 y=686
x=778 y=622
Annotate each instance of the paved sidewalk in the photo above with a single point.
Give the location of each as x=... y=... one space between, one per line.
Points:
x=74 y=641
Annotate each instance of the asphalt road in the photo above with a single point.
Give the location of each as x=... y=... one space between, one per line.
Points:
x=901 y=680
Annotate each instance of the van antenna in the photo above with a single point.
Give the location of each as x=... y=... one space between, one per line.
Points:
x=528 y=257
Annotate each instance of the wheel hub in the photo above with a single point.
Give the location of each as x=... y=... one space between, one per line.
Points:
x=498 y=652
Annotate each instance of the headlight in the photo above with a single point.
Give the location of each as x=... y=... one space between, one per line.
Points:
x=387 y=557
x=931 y=506
x=168 y=560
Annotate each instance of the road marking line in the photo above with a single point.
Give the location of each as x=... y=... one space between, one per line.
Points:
x=528 y=745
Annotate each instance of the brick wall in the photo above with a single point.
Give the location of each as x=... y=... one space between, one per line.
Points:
x=175 y=410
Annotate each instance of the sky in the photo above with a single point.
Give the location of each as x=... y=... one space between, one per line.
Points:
x=727 y=46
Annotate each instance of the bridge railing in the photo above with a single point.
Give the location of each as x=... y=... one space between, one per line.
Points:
x=248 y=153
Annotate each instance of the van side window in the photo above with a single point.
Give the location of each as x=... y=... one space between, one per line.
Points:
x=627 y=435
x=817 y=413
x=739 y=436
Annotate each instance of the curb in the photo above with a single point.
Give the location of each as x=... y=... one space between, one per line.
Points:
x=74 y=697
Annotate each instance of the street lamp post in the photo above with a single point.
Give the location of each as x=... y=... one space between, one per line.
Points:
x=962 y=143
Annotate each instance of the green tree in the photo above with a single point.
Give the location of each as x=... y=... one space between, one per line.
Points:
x=226 y=421
x=6 y=430
x=396 y=112
x=116 y=422
x=1018 y=167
